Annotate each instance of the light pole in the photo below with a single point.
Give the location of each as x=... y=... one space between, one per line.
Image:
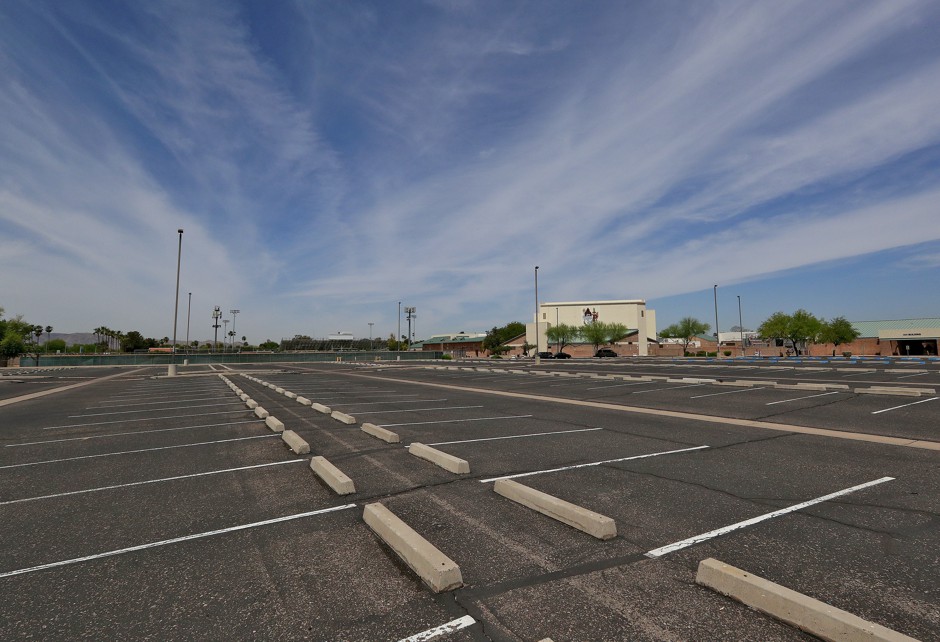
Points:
x=216 y=315
x=398 y=338
x=371 y=345
x=538 y=359
x=171 y=369
x=409 y=315
x=224 y=334
x=189 y=308
x=233 y=313
x=741 y=326
x=558 y=344
x=717 y=331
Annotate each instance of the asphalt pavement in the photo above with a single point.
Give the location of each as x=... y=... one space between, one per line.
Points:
x=138 y=506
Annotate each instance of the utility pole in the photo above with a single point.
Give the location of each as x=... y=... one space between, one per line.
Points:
x=189 y=309
x=371 y=345
x=741 y=326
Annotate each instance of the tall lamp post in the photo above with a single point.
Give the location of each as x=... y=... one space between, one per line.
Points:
x=233 y=313
x=538 y=359
x=398 y=338
x=224 y=334
x=171 y=369
x=717 y=331
x=371 y=345
x=741 y=327
x=189 y=308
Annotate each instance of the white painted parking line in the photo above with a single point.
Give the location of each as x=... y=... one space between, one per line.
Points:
x=913 y=403
x=150 y=403
x=593 y=463
x=377 y=403
x=175 y=540
x=693 y=385
x=824 y=394
x=124 y=434
x=153 y=481
x=728 y=392
x=670 y=548
x=919 y=374
x=453 y=421
x=130 y=452
x=388 y=412
x=533 y=434
x=443 y=629
x=131 y=412
x=127 y=421
x=621 y=385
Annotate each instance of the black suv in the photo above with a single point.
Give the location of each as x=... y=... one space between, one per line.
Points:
x=562 y=355
x=605 y=352
x=545 y=355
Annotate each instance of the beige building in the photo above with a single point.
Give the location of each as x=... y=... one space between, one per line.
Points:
x=631 y=313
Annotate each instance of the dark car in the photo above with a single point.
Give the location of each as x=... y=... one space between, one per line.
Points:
x=605 y=352
x=562 y=355
x=545 y=355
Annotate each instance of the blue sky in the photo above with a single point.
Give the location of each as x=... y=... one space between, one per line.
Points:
x=330 y=159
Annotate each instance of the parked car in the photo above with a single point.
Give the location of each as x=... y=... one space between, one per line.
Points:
x=562 y=355
x=605 y=352
x=545 y=355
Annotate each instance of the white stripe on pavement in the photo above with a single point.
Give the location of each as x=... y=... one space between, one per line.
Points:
x=669 y=548
x=443 y=629
x=728 y=392
x=593 y=463
x=127 y=421
x=152 y=481
x=134 y=412
x=801 y=398
x=388 y=412
x=534 y=434
x=175 y=540
x=123 y=434
x=913 y=403
x=129 y=452
x=453 y=421
x=694 y=385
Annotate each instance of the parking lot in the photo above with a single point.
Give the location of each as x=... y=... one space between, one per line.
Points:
x=140 y=506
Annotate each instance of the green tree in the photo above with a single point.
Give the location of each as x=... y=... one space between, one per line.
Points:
x=134 y=340
x=837 y=331
x=499 y=335
x=53 y=345
x=563 y=335
x=600 y=333
x=268 y=345
x=799 y=328
x=687 y=329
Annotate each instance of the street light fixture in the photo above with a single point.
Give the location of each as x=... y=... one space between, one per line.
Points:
x=171 y=369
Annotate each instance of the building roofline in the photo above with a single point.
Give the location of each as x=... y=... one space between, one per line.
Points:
x=585 y=303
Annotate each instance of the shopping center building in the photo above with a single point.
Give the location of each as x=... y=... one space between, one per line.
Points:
x=632 y=313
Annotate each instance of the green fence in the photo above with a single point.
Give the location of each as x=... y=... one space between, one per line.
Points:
x=237 y=357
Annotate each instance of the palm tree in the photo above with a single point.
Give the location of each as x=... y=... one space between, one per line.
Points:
x=48 y=333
